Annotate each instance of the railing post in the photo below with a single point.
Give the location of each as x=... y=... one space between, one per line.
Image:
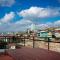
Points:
x=24 y=40
x=5 y=45
x=33 y=42
x=48 y=44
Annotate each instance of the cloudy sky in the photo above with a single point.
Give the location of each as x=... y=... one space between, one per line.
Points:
x=18 y=15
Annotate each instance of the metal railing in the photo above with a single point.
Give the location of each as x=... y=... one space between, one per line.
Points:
x=24 y=39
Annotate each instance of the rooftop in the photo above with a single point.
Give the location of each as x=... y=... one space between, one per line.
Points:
x=34 y=54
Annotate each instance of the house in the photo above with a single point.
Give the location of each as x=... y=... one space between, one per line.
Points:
x=44 y=34
x=57 y=32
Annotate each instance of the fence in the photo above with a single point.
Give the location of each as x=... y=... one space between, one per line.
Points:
x=32 y=42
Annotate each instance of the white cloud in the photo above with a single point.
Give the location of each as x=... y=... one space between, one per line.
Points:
x=7 y=3
x=38 y=12
x=7 y=18
x=48 y=25
x=42 y=26
x=57 y=23
x=24 y=21
x=20 y=25
x=34 y=13
x=29 y=16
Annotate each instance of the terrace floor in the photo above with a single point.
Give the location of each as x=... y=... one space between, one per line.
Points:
x=5 y=57
x=33 y=54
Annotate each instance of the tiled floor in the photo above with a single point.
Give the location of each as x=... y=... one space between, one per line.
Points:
x=5 y=57
x=34 y=54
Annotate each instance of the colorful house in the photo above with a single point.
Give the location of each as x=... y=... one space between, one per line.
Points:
x=44 y=34
x=57 y=32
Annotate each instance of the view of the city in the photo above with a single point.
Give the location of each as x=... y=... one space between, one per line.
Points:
x=29 y=29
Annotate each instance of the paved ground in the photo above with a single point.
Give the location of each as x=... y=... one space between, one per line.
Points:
x=34 y=54
x=5 y=57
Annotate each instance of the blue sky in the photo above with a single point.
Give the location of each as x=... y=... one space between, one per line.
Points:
x=18 y=15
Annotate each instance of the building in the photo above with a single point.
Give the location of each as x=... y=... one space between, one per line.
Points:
x=57 y=32
x=44 y=34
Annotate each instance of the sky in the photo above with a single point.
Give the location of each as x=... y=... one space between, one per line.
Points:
x=18 y=15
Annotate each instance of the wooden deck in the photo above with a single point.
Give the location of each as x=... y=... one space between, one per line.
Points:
x=34 y=54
